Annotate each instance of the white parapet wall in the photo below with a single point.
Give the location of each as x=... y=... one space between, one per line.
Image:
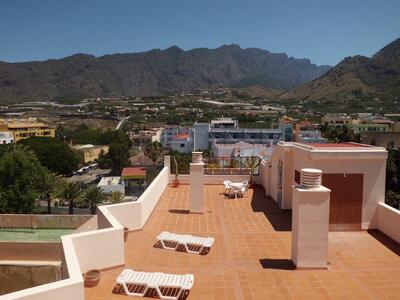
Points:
x=98 y=249
x=388 y=221
x=134 y=215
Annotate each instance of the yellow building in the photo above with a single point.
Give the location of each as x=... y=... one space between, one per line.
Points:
x=23 y=130
x=90 y=152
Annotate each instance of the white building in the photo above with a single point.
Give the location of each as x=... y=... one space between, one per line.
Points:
x=6 y=137
x=221 y=131
x=241 y=149
x=310 y=136
x=169 y=132
x=112 y=184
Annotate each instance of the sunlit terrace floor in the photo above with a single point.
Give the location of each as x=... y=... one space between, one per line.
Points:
x=251 y=252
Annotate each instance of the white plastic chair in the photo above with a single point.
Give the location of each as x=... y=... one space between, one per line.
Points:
x=227 y=184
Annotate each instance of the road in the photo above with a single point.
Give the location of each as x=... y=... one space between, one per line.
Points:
x=121 y=123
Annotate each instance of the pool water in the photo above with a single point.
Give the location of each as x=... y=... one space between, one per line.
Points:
x=32 y=234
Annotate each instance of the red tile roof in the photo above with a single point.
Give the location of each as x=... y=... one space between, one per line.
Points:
x=133 y=172
x=181 y=136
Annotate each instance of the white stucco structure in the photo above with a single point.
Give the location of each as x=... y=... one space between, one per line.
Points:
x=310 y=224
x=368 y=162
x=112 y=184
x=6 y=137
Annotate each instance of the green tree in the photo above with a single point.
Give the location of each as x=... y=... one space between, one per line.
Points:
x=393 y=199
x=153 y=151
x=93 y=196
x=115 y=136
x=104 y=161
x=119 y=155
x=392 y=170
x=85 y=135
x=71 y=192
x=21 y=178
x=340 y=135
x=53 y=154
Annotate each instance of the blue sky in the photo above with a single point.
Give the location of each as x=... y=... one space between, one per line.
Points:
x=325 y=31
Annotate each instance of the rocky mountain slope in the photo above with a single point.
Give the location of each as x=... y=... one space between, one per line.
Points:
x=357 y=77
x=154 y=72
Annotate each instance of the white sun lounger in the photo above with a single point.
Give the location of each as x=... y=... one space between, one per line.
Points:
x=185 y=240
x=157 y=281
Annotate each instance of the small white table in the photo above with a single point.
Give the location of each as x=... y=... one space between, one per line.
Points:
x=236 y=186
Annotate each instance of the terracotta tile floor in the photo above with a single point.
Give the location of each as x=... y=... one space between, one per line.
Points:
x=251 y=252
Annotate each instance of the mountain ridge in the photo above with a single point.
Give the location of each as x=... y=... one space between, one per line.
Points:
x=154 y=72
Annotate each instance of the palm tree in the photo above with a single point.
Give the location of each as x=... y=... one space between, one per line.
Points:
x=52 y=184
x=153 y=151
x=71 y=192
x=93 y=196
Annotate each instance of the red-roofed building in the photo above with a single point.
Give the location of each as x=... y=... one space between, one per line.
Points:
x=133 y=173
x=134 y=179
x=181 y=136
x=181 y=142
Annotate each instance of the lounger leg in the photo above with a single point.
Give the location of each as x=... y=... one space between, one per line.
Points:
x=134 y=294
x=167 y=297
x=197 y=252
x=166 y=247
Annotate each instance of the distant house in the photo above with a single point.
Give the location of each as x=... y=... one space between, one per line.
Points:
x=112 y=184
x=6 y=137
x=89 y=152
x=134 y=179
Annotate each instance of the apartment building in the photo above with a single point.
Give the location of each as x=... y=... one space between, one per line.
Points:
x=23 y=130
x=169 y=132
x=338 y=120
x=227 y=131
x=89 y=152
x=221 y=131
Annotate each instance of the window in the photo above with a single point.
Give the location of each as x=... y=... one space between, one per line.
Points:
x=182 y=145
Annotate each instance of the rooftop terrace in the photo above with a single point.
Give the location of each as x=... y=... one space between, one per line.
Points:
x=250 y=258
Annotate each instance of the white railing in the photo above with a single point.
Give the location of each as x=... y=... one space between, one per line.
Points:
x=388 y=221
x=98 y=249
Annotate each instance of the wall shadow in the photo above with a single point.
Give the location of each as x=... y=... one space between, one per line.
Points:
x=281 y=220
x=385 y=240
x=179 y=211
x=277 y=264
